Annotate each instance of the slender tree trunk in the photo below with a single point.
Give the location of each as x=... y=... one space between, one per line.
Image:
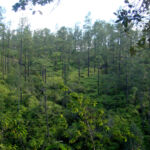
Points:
x=62 y=65
x=91 y=132
x=119 y=64
x=149 y=41
x=8 y=57
x=98 y=82
x=65 y=73
x=18 y=106
x=95 y=55
x=20 y=72
x=20 y=95
x=25 y=66
x=8 y=67
x=113 y=55
x=88 y=61
x=149 y=109
x=45 y=102
x=55 y=64
x=106 y=67
x=28 y=67
x=43 y=75
x=79 y=67
x=3 y=50
x=2 y=61
x=5 y=62
x=127 y=74
x=142 y=108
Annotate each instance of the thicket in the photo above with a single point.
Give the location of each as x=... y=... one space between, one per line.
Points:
x=85 y=89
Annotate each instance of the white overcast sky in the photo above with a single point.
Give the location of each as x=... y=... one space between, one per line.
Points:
x=67 y=13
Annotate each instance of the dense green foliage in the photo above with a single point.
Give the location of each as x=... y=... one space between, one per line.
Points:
x=76 y=89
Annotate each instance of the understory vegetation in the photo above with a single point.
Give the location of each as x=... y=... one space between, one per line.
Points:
x=76 y=89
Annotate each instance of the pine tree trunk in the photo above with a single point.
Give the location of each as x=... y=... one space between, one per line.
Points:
x=88 y=61
x=3 y=50
x=45 y=102
x=25 y=67
x=98 y=82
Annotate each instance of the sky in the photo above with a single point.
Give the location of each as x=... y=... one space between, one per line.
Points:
x=66 y=13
